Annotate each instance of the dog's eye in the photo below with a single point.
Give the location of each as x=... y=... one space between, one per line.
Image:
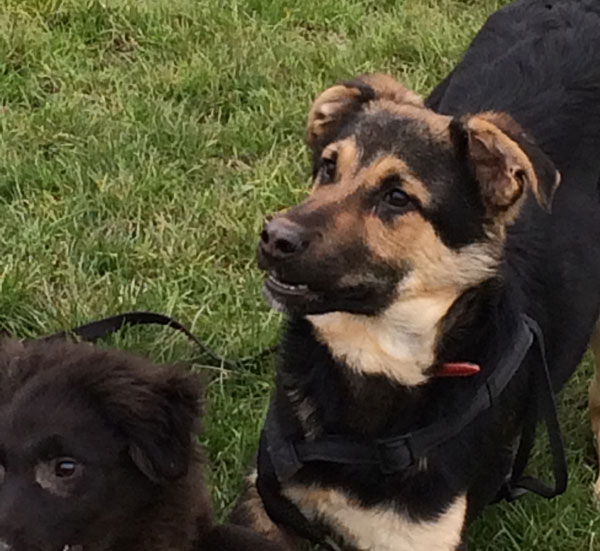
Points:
x=65 y=467
x=59 y=476
x=397 y=199
x=328 y=169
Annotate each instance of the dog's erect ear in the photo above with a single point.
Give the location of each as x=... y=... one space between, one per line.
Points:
x=506 y=162
x=336 y=104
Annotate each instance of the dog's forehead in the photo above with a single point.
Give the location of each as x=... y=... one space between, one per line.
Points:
x=49 y=407
x=416 y=136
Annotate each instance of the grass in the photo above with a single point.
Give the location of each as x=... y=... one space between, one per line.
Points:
x=141 y=145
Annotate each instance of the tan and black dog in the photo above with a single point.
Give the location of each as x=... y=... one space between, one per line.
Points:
x=431 y=232
x=97 y=453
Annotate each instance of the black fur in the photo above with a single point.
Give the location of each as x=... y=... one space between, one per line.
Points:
x=540 y=63
x=97 y=453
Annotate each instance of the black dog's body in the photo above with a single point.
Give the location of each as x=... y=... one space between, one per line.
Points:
x=539 y=62
x=97 y=454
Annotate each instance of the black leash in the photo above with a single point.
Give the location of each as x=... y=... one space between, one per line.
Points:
x=102 y=328
x=544 y=406
x=282 y=457
x=279 y=508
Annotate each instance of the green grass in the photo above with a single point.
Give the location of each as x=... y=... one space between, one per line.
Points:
x=141 y=145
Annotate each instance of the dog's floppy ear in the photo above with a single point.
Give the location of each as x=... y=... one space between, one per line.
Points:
x=160 y=432
x=506 y=162
x=336 y=104
x=155 y=408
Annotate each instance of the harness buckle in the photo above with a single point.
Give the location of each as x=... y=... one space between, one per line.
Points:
x=395 y=454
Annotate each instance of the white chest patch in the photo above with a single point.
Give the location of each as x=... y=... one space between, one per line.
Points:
x=399 y=343
x=380 y=529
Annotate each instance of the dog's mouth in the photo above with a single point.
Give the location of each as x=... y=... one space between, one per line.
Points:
x=289 y=297
x=302 y=299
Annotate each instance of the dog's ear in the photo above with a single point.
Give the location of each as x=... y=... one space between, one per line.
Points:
x=336 y=104
x=160 y=432
x=154 y=408
x=506 y=163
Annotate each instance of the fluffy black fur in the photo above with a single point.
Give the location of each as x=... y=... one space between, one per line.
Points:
x=540 y=63
x=97 y=454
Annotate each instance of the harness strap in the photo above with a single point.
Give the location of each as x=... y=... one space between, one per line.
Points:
x=545 y=405
x=281 y=457
x=280 y=509
x=397 y=453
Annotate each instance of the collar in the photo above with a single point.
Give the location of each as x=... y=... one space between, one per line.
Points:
x=395 y=454
x=456 y=369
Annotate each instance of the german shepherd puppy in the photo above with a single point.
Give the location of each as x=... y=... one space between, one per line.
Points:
x=429 y=232
x=97 y=454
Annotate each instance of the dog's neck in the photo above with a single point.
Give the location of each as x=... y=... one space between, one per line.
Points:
x=399 y=344
x=334 y=386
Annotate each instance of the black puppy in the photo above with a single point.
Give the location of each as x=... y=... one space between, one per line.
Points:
x=97 y=454
x=433 y=240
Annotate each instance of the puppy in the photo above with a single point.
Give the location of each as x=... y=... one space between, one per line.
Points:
x=97 y=454
x=436 y=241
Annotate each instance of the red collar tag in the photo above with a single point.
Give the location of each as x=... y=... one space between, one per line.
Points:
x=457 y=369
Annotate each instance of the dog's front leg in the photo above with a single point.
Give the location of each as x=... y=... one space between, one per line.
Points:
x=250 y=512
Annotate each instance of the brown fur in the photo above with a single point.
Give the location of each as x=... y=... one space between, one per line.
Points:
x=502 y=168
x=124 y=429
x=402 y=261
x=337 y=101
x=250 y=512
x=388 y=88
x=512 y=151
x=409 y=242
x=326 y=109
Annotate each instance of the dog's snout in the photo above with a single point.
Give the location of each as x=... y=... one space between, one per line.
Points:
x=282 y=238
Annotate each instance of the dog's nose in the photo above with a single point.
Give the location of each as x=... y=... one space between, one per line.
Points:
x=281 y=238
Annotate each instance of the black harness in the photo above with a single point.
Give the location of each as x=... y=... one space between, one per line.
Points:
x=281 y=457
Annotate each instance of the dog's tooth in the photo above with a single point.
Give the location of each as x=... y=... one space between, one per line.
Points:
x=288 y=286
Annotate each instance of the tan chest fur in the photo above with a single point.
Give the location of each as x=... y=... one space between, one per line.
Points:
x=380 y=529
